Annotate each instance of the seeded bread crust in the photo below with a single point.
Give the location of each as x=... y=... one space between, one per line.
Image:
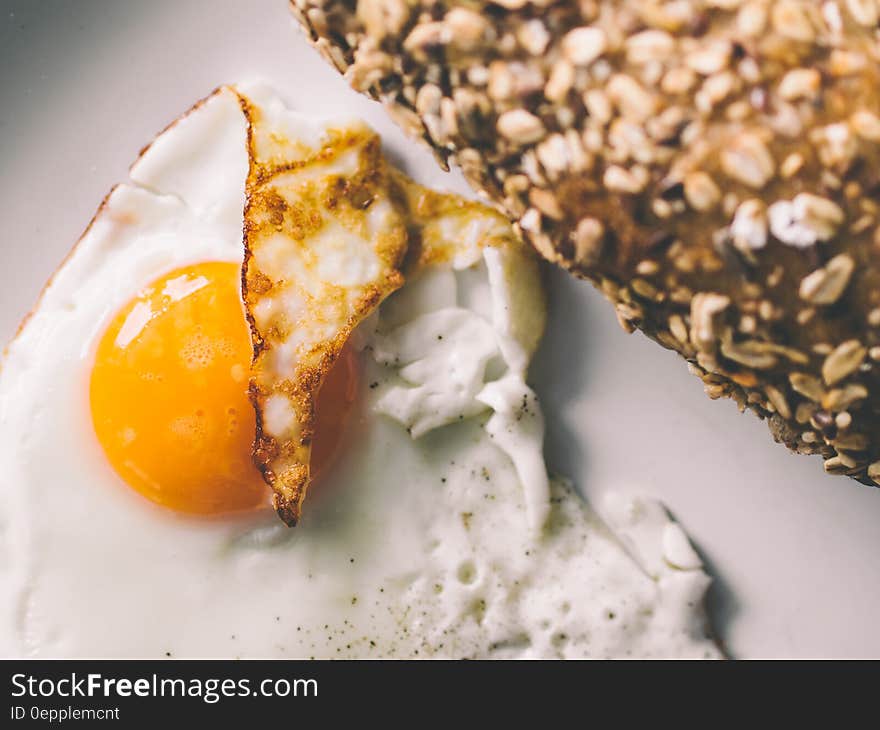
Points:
x=713 y=166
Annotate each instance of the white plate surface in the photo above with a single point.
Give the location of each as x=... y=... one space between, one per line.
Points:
x=85 y=84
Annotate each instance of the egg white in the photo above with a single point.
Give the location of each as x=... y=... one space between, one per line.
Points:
x=438 y=533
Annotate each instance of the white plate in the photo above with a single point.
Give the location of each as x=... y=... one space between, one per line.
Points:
x=86 y=84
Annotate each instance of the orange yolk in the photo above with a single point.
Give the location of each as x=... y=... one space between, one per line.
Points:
x=169 y=395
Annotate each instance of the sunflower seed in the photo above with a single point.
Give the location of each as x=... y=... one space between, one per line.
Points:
x=748 y=161
x=678 y=329
x=804 y=412
x=800 y=83
x=711 y=58
x=631 y=98
x=705 y=306
x=867 y=125
x=864 y=12
x=843 y=361
x=827 y=284
x=778 y=400
x=840 y=399
x=560 y=82
x=587 y=238
x=791 y=19
x=534 y=37
x=383 y=18
x=749 y=227
x=751 y=353
x=701 y=191
x=582 y=46
x=807 y=385
x=649 y=45
x=520 y=126
x=621 y=180
x=644 y=288
x=835 y=465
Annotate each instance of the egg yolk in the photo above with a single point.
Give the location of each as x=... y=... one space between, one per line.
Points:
x=169 y=395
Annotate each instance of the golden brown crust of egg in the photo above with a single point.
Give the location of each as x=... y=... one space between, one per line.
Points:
x=425 y=207
x=284 y=462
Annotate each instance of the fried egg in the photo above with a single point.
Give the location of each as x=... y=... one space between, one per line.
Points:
x=134 y=523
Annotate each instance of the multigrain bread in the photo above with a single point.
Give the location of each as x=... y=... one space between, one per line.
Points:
x=712 y=166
